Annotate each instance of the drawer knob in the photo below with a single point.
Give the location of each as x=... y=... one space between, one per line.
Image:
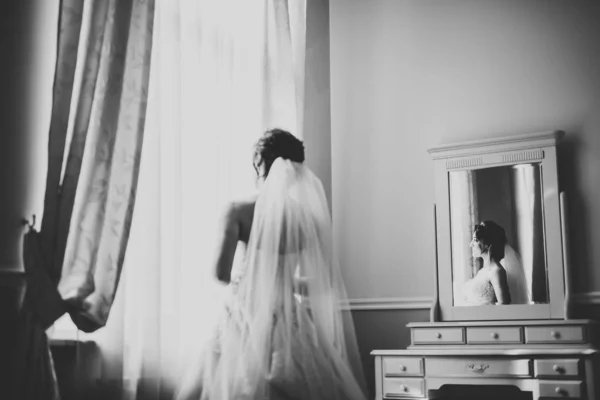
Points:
x=555 y=334
x=494 y=335
x=438 y=335
x=558 y=390
x=404 y=388
x=557 y=368
x=403 y=368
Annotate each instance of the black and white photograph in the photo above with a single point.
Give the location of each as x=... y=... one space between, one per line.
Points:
x=299 y=199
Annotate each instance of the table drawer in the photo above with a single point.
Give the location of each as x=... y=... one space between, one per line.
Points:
x=401 y=366
x=403 y=387
x=438 y=336
x=501 y=335
x=564 y=389
x=554 y=334
x=477 y=367
x=557 y=367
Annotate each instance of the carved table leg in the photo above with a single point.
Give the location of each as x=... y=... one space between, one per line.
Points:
x=378 y=378
x=591 y=376
x=536 y=391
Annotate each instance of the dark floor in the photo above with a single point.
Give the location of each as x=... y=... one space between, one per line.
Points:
x=464 y=392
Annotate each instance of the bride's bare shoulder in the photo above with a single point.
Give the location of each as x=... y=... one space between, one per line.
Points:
x=237 y=210
x=497 y=271
x=242 y=208
x=244 y=204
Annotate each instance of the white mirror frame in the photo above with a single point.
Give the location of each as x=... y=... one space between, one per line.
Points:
x=509 y=150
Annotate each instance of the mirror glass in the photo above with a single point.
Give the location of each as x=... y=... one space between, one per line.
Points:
x=498 y=246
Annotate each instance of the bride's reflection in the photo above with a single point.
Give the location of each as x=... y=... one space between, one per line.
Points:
x=500 y=278
x=502 y=260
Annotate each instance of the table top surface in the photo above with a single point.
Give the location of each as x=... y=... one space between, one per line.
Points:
x=452 y=352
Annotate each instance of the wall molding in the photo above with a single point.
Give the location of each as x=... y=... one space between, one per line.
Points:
x=389 y=303
x=587 y=298
x=424 y=302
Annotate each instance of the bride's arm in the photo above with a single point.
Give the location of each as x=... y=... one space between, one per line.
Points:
x=500 y=284
x=228 y=234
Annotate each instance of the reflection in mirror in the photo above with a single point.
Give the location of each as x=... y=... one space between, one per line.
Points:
x=498 y=247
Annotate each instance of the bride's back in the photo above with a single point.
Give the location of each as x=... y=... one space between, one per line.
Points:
x=245 y=216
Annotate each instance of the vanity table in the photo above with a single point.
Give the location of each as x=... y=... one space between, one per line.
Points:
x=529 y=348
x=550 y=359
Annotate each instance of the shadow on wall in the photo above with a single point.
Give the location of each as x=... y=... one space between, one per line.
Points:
x=383 y=330
x=578 y=164
x=570 y=182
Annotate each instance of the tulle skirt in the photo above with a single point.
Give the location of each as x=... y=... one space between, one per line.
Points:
x=300 y=370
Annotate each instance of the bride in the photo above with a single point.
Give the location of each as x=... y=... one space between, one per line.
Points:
x=282 y=333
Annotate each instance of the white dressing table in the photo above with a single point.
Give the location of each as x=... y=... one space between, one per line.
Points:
x=549 y=359
x=532 y=347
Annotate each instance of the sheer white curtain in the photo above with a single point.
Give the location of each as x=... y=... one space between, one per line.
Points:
x=464 y=214
x=528 y=210
x=222 y=72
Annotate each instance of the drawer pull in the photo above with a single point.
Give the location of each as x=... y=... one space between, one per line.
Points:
x=402 y=368
x=558 y=390
x=438 y=335
x=494 y=335
x=404 y=388
x=478 y=369
x=557 y=368
x=564 y=389
x=555 y=334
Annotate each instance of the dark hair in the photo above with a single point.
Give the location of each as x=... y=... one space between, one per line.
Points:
x=493 y=236
x=277 y=143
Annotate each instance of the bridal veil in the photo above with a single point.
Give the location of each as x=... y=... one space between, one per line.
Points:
x=285 y=333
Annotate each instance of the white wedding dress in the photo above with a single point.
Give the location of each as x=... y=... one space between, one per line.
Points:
x=479 y=290
x=283 y=333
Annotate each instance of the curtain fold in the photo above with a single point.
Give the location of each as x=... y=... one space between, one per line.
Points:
x=70 y=21
x=284 y=55
x=95 y=137
x=218 y=80
x=526 y=180
x=464 y=215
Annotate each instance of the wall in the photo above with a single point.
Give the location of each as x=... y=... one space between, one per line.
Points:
x=26 y=51
x=27 y=46
x=317 y=112
x=407 y=75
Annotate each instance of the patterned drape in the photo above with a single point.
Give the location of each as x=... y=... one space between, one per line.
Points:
x=100 y=177
x=95 y=140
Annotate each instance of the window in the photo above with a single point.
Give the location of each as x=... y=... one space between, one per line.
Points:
x=63 y=329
